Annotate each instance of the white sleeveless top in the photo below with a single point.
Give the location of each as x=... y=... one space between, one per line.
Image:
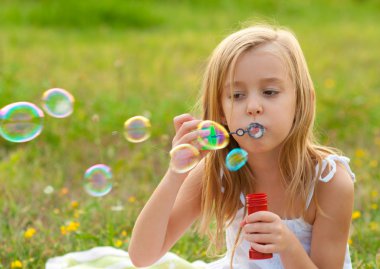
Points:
x=299 y=227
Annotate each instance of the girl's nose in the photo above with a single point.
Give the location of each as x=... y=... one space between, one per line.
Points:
x=254 y=108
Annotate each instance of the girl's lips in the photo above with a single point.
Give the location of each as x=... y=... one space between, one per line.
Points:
x=256 y=130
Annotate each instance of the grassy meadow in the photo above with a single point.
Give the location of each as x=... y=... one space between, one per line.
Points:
x=125 y=58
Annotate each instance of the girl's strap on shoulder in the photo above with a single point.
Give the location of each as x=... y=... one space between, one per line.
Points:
x=331 y=160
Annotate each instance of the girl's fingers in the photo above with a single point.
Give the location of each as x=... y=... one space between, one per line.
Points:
x=257 y=227
x=186 y=127
x=192 y=138
x=259 y=238
x=263 y=248
x=263 y=216
x=180 y=119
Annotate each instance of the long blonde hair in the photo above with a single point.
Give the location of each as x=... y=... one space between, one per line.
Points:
x=299 y=154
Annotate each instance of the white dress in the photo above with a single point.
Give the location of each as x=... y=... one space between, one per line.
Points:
x=111 y=258
x=299 y=227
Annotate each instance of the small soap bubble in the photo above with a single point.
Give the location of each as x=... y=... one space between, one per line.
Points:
x=218 y=137
x=184 y=157
x=58 y=103
x=21 y=122
x=236 y=159
x=98 y=180
x=137 y=129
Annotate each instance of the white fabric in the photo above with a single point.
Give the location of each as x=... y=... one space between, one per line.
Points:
x=299 y=227
x=112 y=258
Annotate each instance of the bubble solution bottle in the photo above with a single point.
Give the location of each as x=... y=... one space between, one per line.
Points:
x=257 y=202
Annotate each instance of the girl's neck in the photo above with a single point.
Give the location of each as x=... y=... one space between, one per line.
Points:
x=265 y=168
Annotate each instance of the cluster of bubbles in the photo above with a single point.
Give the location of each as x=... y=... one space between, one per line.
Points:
x=185 y=157
x=23 y=121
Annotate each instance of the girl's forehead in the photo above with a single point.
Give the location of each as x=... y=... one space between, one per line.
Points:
x=261 y=63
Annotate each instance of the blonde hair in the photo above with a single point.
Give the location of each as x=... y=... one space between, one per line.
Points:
x=299 y=154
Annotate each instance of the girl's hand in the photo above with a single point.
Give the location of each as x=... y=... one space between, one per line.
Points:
x=186 y=133
x=266 y=232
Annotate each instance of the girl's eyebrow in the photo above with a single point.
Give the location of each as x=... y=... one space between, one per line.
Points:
x=262 y=80
x=234 y=83
x=272 y=79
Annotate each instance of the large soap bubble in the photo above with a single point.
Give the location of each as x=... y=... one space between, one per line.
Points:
x=184 y=157
x=137 y=129
x=218 y=137
x=58 y=103
x=21 y=122
x=98 y=180
x=236 y=159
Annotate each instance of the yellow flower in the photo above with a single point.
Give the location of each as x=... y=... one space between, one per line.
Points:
x=74 y=204
x=330 y=83
x=132 y=199
x=118 y=243
x=373 y=163
x=356 y=214
x=360 y=153
x=373 y=226
x=350 y=241
x=374 y=194
x=63 y=230
x=77 y=214
x=374 y=206
x=29 y=233
x=72 y=226
x=16 y=264
x=124 y=233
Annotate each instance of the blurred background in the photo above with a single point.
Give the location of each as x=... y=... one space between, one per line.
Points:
x=125 y=58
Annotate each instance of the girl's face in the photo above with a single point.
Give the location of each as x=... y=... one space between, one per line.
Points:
x=261 y=92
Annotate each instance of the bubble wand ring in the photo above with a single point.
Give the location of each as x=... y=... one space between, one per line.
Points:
x=254 y=130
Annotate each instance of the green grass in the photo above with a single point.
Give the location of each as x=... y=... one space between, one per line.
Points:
x=126 y=58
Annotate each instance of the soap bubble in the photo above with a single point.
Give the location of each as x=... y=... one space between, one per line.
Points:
x=58 y=103
x=137 y=129
x=184 y=157
x=218 y=138
x=97 y=180
x=21 y=122
x=236 y=158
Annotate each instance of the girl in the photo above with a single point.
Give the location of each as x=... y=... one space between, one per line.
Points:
x=256 y=75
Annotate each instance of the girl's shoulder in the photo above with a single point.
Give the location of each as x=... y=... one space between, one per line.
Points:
x=336 y=180
x=333 y=165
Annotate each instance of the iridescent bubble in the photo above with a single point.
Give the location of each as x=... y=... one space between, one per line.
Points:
x=218 y=138
x=137 y=129
x=236 y=158
x=58 y=103
x=97 y=180
x=184 y=157
x=21 y=122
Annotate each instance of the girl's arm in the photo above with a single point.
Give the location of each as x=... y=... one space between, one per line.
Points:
x=173 y=206
x=330 y=228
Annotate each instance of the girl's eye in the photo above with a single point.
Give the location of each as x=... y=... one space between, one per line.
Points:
x=270 y=92
x=237 y=95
